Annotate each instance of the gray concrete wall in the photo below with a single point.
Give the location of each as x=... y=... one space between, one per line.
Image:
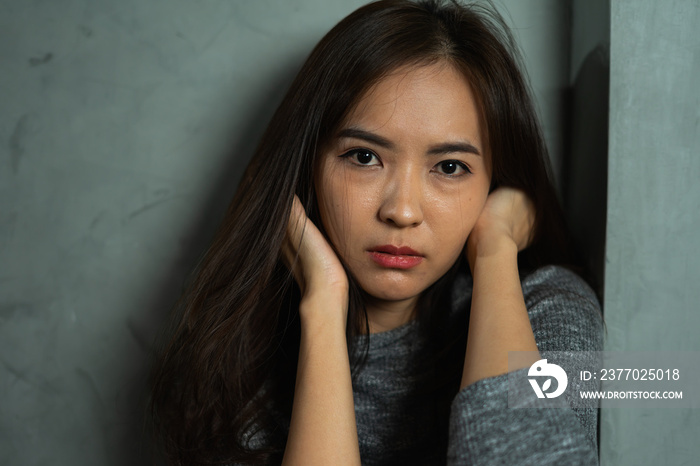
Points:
x=124 y=127
x=543 y=31
x=653 y=252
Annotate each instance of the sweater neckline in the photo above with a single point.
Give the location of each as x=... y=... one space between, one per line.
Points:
x=461 y=293
x=388 y=337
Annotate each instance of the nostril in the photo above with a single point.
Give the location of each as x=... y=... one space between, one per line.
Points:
x=401 y=208
x=404 y=220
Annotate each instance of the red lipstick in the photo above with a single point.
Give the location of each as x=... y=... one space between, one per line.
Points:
x=393 y=257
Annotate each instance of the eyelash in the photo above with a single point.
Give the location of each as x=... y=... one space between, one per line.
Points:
x=462 y=165
x=352 y=154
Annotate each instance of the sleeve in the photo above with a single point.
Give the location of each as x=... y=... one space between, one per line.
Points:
x=565 y=317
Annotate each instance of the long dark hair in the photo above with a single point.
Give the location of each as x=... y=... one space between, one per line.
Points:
x=228 y=370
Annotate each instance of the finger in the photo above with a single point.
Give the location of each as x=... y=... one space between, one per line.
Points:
x=523 y=219
x=293 y=240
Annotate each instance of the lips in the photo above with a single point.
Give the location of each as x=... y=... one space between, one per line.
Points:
x=393 y=257
x=396 y=251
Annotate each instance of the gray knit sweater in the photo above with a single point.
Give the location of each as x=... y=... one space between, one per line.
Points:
x=396 y=421
x=394 y=424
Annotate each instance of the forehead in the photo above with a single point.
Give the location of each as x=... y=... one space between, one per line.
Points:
x=430 y=101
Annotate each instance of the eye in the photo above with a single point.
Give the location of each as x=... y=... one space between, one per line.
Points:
x=452 y=168
x=362 y=157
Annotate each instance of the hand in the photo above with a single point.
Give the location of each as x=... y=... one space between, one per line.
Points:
x=507 y=220
x=316 y=268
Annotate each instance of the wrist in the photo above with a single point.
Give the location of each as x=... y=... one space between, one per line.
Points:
x=324 y=306
x=485 y=246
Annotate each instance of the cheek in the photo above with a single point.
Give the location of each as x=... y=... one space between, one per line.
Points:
x=334 y=205
x=458 y=215
x=473 y=208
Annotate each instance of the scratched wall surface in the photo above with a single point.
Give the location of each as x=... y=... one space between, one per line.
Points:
x=653 y=252
x=124 y=127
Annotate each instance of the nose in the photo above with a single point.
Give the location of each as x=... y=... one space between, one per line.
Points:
x=402 y=201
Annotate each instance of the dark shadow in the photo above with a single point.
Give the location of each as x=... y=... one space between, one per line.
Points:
x=138 y=447
x=586 y=170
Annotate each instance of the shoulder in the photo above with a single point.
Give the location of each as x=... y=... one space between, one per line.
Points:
x=564 y=311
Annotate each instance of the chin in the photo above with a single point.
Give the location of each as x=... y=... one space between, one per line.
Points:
x=392 y=291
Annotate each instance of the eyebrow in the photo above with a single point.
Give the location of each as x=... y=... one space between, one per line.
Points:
x=440 y=149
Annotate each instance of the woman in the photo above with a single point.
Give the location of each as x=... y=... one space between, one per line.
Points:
x=390 y=242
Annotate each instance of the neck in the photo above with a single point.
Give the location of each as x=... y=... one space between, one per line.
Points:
x=387 y=315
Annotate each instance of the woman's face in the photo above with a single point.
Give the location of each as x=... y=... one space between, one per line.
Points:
x=402 y=183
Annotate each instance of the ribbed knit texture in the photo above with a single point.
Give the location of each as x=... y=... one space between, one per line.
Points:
x=396 y=422
x=396 y=426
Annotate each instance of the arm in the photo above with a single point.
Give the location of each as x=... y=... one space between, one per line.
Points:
x=322 y=428
x=486 y=429
x=498 y=322
x=554 y=311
